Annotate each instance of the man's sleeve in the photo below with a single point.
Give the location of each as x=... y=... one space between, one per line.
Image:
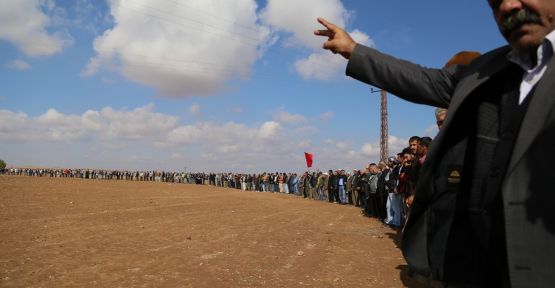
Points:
x=407 y=80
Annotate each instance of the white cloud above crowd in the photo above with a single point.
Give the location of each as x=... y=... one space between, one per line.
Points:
x=106 y=125
x=142 y=133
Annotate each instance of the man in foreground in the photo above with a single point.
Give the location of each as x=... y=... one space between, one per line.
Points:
x=482 y=214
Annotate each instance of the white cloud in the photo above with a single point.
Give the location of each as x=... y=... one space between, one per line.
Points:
x=362 y=38
x=227 y=134
x=289 y=118
x=108 y=124
x=136 y=124
x=194 y=109
x=394 y=145
x=324 y=65
x=299 y=19
x=50 y=126
x=141 y=138
x=341 y=145
x=370 y=150
x=183 y=48
x=186 y=134
x=24 y=23
x=320 y=65
x=269 y=130
x=18 y=64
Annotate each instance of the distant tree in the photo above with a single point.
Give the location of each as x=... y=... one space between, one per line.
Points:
x=2 y=164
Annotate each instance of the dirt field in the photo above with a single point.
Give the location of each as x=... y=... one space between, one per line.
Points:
x=94 y=233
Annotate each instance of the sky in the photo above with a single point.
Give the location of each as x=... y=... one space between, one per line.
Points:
x=213 y=85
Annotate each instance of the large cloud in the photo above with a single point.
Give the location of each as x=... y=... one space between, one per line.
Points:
x=181 y=48
x=141 y=138
x=24 y=23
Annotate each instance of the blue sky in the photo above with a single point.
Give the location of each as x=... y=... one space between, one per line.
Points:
x=213 y=85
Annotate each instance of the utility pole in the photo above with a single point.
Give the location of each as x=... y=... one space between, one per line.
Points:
x=384 y=135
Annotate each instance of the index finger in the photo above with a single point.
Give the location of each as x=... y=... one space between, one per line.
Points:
x=327 y=24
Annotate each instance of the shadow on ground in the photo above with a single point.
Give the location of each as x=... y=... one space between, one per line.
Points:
x=404 y=273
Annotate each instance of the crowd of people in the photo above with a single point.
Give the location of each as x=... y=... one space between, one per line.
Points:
x=381 y=190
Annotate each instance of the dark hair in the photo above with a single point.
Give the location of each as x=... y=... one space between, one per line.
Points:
x=406 y=151
x=425 y=141
x=414 y=138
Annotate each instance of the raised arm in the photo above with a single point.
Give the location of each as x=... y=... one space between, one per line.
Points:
x=407 y=80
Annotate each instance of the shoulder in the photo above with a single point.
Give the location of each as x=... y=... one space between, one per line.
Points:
x=485 y=61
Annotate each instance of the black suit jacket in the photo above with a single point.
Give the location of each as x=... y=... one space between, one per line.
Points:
x=528 y=193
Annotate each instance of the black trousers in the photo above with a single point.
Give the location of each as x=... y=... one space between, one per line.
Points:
x=381 y=201
x=333 y=194
x=371 y=205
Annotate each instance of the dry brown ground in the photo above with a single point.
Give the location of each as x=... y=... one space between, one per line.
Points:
x=94 y=233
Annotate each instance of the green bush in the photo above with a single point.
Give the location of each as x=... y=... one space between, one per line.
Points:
x=2 y=164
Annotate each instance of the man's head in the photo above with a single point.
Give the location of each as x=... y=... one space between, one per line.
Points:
x=372 y=168
x=423 y=145
x=408 y=156
x=413 y=143
x=524 y=23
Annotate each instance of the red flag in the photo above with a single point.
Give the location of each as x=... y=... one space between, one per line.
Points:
x=308 y=158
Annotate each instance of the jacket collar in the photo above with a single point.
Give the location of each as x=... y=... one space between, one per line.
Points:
x=541 y=105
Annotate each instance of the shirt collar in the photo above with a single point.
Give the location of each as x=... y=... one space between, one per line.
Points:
x=544 y=52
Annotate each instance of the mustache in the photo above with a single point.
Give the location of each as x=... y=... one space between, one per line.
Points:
x=519 y=18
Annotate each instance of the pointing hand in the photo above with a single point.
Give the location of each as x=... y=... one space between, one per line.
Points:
x=339 y=41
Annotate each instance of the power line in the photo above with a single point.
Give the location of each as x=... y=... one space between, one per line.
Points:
x=214 y=16
x=199 y=24
x=254 y=42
